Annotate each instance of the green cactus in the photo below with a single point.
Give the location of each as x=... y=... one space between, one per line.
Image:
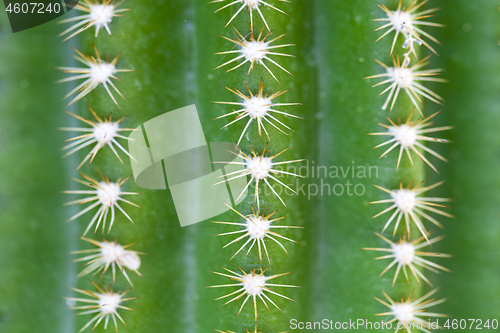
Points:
x=171 y=49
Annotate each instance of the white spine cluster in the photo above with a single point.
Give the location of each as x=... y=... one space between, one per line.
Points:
x=258 y=229
x=97 y=14
x=107 y=196
x=409 y=136
x=104 y=305
x=109 y=254
x=257 y=108
x=252 y=286
x=255 y=51
x=261 y=169
x=407 y=22
x=98 y=72
x=407 y=254
x=101 y=134
x=408 y=313
x=251 y=5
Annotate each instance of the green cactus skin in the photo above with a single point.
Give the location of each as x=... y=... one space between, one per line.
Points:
x=170 y=46
x=34 y=239
x=470 y=55
x=349 y=109
x=181 y=62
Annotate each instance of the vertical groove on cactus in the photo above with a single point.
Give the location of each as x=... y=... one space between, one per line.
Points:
x=34 y=265
x=470 y=55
